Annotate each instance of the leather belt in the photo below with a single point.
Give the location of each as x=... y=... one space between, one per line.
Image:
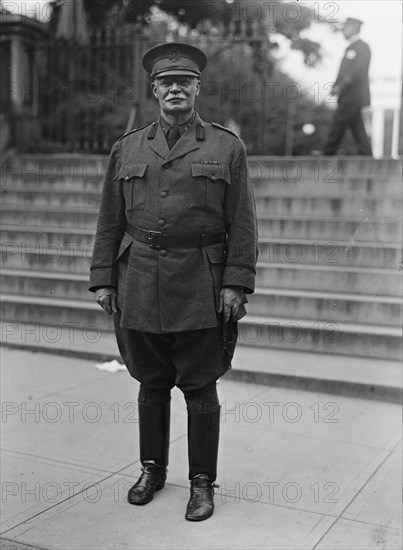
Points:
x=157 y=239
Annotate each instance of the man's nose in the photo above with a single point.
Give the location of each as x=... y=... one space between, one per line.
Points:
x=175 y=87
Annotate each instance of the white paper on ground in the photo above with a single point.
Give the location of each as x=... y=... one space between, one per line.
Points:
x=110 y=366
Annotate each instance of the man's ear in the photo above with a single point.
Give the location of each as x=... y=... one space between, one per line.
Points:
x=197 y=87
x=154 y=89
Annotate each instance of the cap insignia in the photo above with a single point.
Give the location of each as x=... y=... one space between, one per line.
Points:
x=173 y=55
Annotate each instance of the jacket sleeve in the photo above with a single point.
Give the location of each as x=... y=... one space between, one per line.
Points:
x=241 y=225
x=110 y=228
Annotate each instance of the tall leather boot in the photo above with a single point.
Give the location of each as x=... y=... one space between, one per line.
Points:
x=154 y=424
x=203 y=437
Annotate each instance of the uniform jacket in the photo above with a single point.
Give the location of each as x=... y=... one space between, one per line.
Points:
x=200 y=185
x=352 y=80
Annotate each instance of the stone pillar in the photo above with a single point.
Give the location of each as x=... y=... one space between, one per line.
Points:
x=20 y=37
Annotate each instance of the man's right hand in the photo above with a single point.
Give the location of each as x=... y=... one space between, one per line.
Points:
x=335 y=90
x=106 y=298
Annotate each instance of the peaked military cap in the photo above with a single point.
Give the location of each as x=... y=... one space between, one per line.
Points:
x=174 y=58
x=352 y=21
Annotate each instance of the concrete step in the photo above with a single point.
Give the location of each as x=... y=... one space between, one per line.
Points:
x=25 y=237
x=307 y=174
x=307 y=185
x=34 y=309
x=346 y=375
x=56 y=169
x=54 y=257
x=360 y=282
x=78 y=165
x=83 y=218
x=40 y=245
x=322 y=337
x=331 y=252
x=321 y=372
x=354 y=187
x=72 y=167
x=356 y=280
x=334 y=307
x=46 y=284
x=48 y=196
x=267 y=202
x=326 y=169
x=329 y=206
x=304 y=184
x=332 y=228
x=376 y=378
x=262 y=331
x=318 y=176
x=286 y=227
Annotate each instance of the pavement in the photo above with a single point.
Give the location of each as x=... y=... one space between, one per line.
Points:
x=297 y=469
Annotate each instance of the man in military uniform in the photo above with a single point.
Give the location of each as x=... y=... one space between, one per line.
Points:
x=352 y=88
x=174 y=256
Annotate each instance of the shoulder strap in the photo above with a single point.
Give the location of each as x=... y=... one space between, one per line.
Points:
x=135 y=130
x=216 y=125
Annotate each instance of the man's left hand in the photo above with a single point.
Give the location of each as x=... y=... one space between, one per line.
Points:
x=230 y=300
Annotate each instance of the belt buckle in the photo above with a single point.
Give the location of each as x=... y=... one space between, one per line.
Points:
x=154 y=239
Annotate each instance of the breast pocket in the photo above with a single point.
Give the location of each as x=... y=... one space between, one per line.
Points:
x=134 y=185
x=210 y=182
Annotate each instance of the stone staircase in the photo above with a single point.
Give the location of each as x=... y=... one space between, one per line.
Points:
x=328 y=277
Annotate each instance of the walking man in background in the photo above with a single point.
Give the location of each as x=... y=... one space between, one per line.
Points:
x=352 y=88
x=174 y=256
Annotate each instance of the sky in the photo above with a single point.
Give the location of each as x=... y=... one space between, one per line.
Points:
x=382 y=30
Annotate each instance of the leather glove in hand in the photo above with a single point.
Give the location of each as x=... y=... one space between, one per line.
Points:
x=230 y=300
x=106 y=298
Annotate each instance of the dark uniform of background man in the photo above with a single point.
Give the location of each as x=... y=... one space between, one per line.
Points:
x=352 y=88
x=174 y=256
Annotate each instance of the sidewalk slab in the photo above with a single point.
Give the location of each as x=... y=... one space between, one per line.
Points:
x=110 y=523
x=33 y=484
x=373 y=503
x=349 y=534
x=297 y=469
x=7 y=544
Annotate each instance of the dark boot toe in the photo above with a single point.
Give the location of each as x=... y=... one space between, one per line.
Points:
x=201 y=502
x=152 y=479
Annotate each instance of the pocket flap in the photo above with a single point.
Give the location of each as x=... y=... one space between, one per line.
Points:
x=215 y=254
x=124 y=245
x=129 y=171
x=212 y=171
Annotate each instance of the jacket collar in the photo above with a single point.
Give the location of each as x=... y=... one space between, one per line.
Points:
x=184 y=145
x=353 y=40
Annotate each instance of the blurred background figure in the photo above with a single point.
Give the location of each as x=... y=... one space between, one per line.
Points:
x=352 y=88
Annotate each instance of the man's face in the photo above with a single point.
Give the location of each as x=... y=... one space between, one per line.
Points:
x=176 y=94
x=350 y=30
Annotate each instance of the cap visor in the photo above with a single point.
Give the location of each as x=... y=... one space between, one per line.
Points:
x=178 y=72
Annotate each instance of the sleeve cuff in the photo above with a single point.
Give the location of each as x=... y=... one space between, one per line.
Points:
x=101 y=277
x=239 y=276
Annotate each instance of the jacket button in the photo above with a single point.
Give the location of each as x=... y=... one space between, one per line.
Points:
x=163 y=194
x=161 y=223
x=167 y=165
x=163 y=252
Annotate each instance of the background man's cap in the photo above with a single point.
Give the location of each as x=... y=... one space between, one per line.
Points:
x=174 y=58
x=352 y=21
